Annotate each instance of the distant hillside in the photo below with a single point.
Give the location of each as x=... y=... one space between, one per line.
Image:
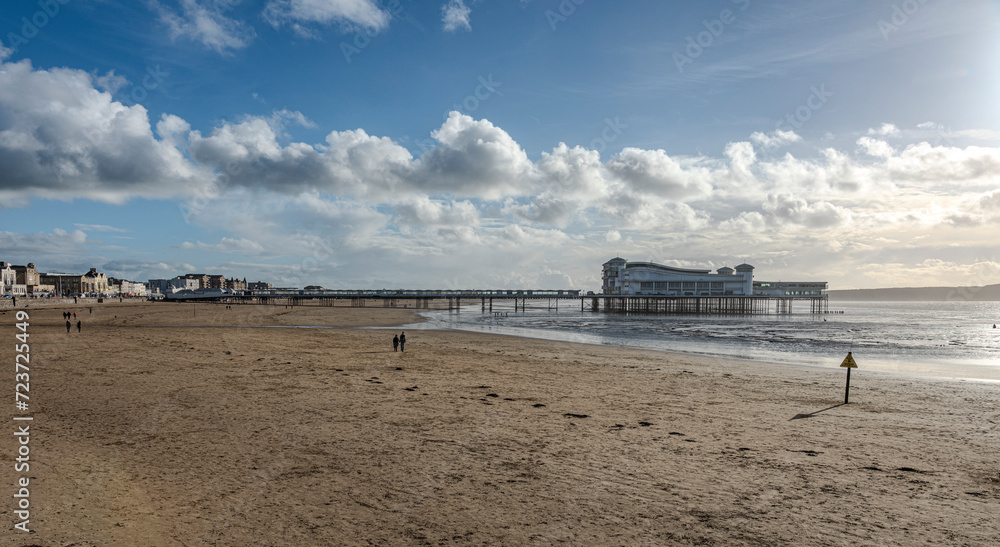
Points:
x=989 y=292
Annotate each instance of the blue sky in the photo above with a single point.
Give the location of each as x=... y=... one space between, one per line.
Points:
x=501 y=143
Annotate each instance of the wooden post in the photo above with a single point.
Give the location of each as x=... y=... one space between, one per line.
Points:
x=847 y=391
x=848 y=363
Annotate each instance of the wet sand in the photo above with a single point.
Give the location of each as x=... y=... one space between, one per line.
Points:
x=227 y=434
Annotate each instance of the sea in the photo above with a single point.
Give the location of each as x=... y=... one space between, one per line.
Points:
x=939 y=339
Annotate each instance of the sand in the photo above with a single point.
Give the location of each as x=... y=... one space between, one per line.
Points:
x=219 y=433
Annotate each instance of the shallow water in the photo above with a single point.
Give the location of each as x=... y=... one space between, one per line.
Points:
x=949 y=339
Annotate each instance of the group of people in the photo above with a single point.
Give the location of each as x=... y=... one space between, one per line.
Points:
x=67 y=315
x=399 y=341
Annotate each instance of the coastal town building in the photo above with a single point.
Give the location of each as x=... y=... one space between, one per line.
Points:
x=94 y=282
x=27 y=276
x=180 y=283
x=125 y=287
x=203 y=281
x=195 y=281
x=259 y=286
x=621 y=277
x=8 y=278
x=64 y=284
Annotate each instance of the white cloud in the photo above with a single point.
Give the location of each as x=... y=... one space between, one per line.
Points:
x=474 y=157
x=226 y=245
x=795 y=210
x=365 y=14
x=474 y=196
x=875 y=147
x=745 y=222
x=424 y=211
x=34 y=246
x=886 y=130
x=655 y=173
x=775 y=139
x=207 y=25
x=455 y=15
x=61 y=138
x=100 y=228
x=111 y=82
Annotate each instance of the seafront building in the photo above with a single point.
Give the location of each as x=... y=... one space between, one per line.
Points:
x=8 y=281
x=27 y=277
x=623 y=278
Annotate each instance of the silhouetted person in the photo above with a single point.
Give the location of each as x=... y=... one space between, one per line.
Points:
x=67 y=327
x=402 y=341
x=79 y=325
x=395 y=343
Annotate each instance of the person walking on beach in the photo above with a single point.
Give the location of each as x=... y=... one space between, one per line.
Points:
x=74 y=315
x=67 y=326
x=395 y=343
x=402 y=341
x=79 y=326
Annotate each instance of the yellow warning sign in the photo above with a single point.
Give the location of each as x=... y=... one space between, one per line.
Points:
x=849 y=362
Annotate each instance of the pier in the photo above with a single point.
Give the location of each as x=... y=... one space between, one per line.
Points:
x=523 y=299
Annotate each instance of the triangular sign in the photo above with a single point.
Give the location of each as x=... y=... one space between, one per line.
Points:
x=849 y=362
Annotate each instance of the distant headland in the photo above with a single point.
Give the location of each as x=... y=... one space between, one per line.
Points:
x=918 y=294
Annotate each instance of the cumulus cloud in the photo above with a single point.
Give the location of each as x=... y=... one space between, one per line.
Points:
x=474 y=157
x=455 y=15
x=207 y=25
x=791 y=209
x=654 y=172
x=62 y=138
x=357 y=196
x=424 y=211
x=745 y=222
x=875 y=147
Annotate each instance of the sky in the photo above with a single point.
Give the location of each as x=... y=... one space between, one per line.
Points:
x=474 y=144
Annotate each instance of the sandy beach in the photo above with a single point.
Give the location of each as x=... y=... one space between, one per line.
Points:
x=180 y=424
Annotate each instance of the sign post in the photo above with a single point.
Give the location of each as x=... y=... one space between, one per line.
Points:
x=848 y=364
